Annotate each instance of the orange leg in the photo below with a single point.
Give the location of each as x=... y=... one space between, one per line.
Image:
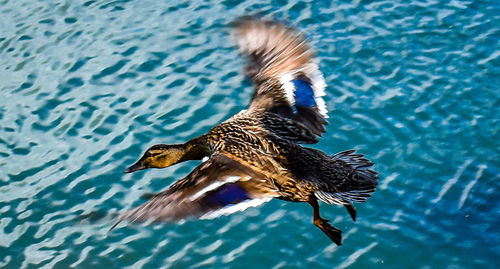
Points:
x=333 y=233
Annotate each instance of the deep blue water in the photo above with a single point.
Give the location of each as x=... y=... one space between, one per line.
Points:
x=87 y=86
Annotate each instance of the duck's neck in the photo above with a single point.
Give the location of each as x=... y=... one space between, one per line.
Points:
x=194 y=149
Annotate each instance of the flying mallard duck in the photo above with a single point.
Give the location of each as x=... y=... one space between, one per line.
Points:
x=255 y=155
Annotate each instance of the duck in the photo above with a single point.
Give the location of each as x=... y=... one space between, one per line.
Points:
x=259 y=154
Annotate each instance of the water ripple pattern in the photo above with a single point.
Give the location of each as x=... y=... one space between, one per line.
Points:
x=86 y=86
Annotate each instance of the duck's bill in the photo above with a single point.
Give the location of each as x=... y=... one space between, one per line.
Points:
x=136 y=167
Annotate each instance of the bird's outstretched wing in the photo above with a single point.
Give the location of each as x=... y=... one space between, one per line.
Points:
x=281 y=64
x=219 y=186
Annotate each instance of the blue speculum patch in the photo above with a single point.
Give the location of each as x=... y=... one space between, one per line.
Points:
x=304 y=94
x=228 y=194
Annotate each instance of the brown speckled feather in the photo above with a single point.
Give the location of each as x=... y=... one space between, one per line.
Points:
x=254 y=156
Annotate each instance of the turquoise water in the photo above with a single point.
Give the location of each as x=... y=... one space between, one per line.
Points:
x=86 y=86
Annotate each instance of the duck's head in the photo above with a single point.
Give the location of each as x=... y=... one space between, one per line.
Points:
x=158 y=156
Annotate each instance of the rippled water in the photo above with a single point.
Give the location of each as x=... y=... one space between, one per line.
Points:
x=86 y=86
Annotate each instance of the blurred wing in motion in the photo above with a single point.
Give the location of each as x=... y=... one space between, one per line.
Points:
x=219 y=186
x=288 y=81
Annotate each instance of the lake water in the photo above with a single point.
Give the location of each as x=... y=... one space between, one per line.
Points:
x=87 y=86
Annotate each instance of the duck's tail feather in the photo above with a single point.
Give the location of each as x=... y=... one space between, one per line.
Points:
x=283 y=68
x=360 y=185
x=365 y=176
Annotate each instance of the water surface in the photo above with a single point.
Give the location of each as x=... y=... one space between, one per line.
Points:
x=86 y=86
